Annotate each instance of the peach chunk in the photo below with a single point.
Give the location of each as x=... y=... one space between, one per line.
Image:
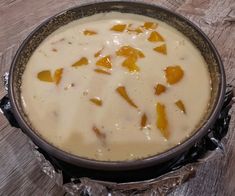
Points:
x=80 y=62
x=143 y=121
x=159 y=89
x=150 y=25
x=162 y=122
x=181 y=106
x=137 y=30
x=174 y=74
x=105 y=62
x=58 y=75
x=161 y=49
x=45 y=76
x=99 y=134
x=97 y=54
x=130 y=64
x=122 y=91
x=128 y=51
x=102 y=71
x=97 y=101
x=119 y=27
x=155 y=37
x=89 y=32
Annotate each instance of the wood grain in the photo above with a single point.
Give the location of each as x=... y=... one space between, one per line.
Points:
x=20 y=173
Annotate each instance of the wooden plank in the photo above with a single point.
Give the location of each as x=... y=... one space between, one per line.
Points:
x=20 y=173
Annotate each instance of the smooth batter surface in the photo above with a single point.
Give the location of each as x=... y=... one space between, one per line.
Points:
x=64 y=115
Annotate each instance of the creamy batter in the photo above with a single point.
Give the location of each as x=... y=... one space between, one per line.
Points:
x=81 y=111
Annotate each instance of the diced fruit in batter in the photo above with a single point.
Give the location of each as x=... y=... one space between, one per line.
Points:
x=119 y=27
x=99 y=134
x=97 y=54
x=58 y=75
x=102 y=71
x=45 y=76
x=161 y=49
x=97 y=101
x=130 y=64
x=89 y=32
x=159 y=89
x=181 y=106
x=155 y=37
x=80 y=62
x=127 y=51
x=122 y=92
x=136 y=30
x=150 y=25
x=162 y=123
x=143 y=121
x=174 y=74
x=105 y=62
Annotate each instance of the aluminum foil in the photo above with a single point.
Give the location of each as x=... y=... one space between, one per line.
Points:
x=161 y=185
x=207 y=149
x=86 y=186
x=5 y=80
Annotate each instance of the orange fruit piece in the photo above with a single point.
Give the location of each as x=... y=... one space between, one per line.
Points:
x=97 y=54
x=119 y=27
x=161 y=49
x=143 y=121
x=89 y=32
x=159 y=89
x=80 y=62
x=99 y=134
x=128 y=51
x=97 y=101
x=130 y=64
x=122 y=92
x=155 y=37
x=162 y=123
x=136 y=30
x=105 y=62
x=58 y=75
x=181 y=106
x=150 y=25
x=102 y=71
x=45 y=76
x=174 y=74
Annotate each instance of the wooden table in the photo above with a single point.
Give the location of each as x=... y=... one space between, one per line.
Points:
x=20 y=173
